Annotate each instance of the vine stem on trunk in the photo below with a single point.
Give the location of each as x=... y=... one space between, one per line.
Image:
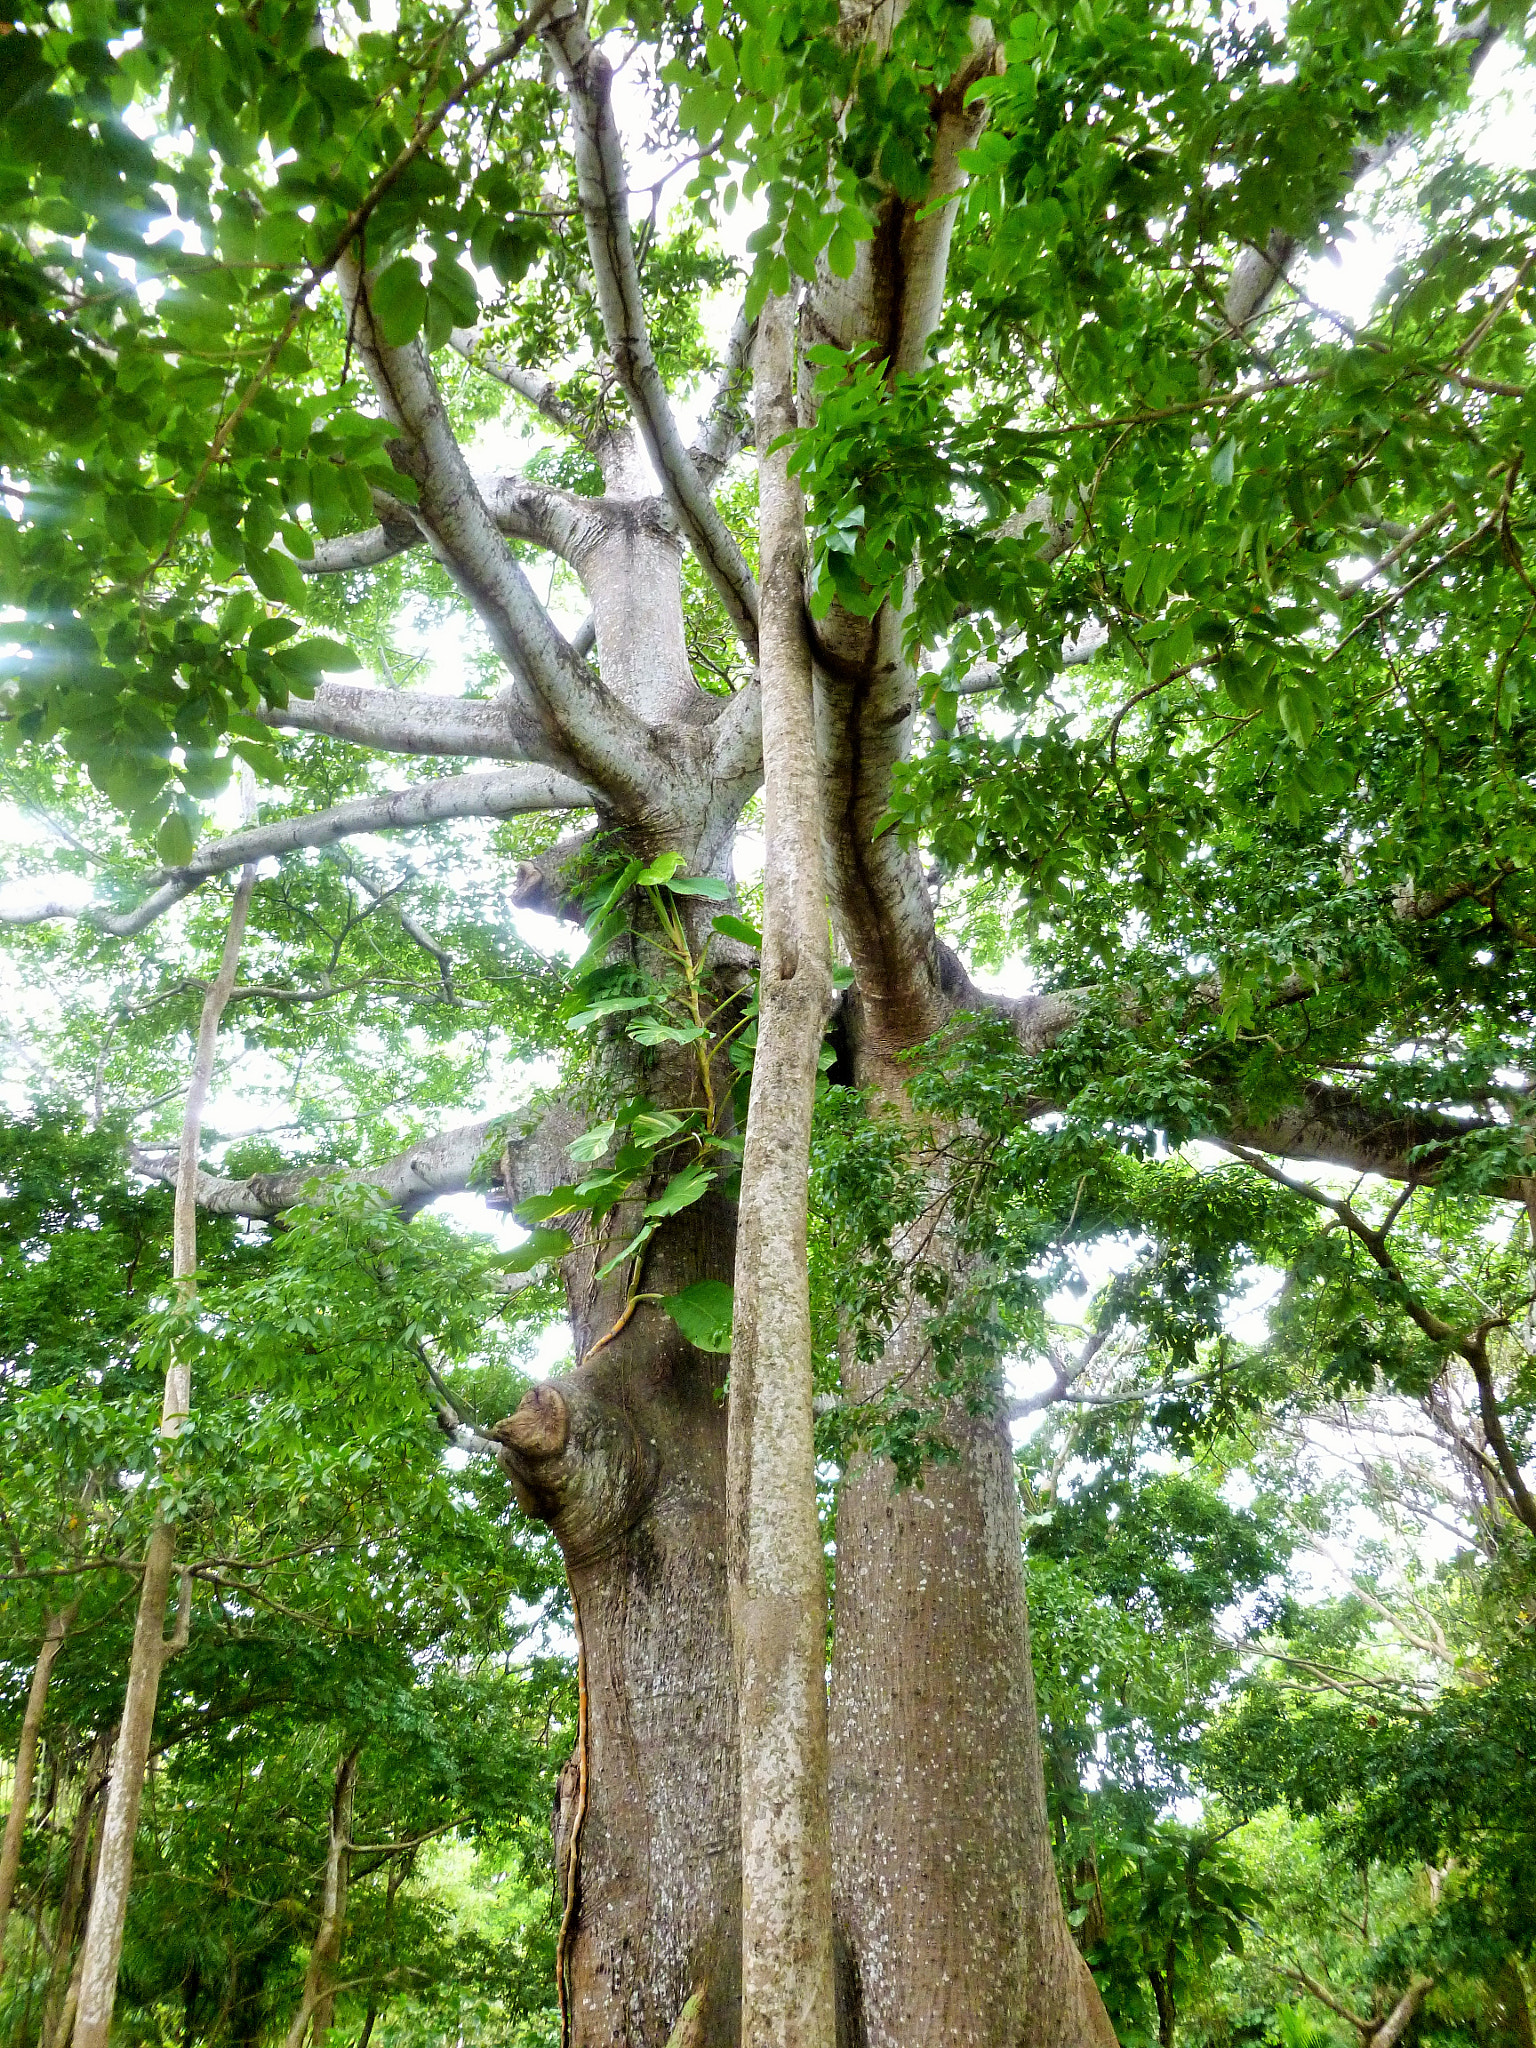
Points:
x=151 y=1647
x=776 y=1566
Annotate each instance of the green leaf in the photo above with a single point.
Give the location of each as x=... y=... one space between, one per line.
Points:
x=275 y=576
x=175 y=842
x=730 y=926
x=703 y=1313
x=1298 y=714
x=564 y=1201
x=453 y=284
x=681 y=1191
x=642 y=1236
x=660 y=870
x=594 y=1143
x=651 y=1031
x=397 y=298
x=700 y=885
x=542 y=1245
x=610 y=1006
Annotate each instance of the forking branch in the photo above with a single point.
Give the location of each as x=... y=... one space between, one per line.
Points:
x=603 y=186
x=586 y=730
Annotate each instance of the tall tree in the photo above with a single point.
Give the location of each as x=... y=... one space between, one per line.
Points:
x=1245 y=591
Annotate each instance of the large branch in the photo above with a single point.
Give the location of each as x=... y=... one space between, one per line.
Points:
x=501 y=793
x=587 y=732
x=603 y=187
x=1327 y=1125
x=519 y=1163
x=501 y=728
x=1335 y=1127
x=557 y=520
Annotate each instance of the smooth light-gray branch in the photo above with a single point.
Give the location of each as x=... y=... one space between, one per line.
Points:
x=496 y=793
x=414 y=721
x=540 y=391
x=549 y=518
x=603 y=185
x=520 y=1163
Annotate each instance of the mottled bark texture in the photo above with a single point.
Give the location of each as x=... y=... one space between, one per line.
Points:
x=951 y=1925
x=625 y=1459
x=777 y=1571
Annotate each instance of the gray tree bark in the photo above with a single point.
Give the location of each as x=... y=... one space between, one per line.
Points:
x=778 y=1577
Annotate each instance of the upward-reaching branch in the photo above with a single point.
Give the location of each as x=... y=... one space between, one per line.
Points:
x=584 y=729
x=603 y=187
x=777 y=1575
x=866 y=687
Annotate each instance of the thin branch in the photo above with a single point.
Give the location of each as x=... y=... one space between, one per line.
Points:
x=540 y=391
x=355 y=222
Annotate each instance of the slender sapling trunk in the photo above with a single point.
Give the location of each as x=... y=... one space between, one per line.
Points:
x=318 y=2004
x=109 y=1900
x=26 y=1763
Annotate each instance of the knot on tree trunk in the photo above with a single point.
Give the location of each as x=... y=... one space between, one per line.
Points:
x=578 y=1463
x=550 y=882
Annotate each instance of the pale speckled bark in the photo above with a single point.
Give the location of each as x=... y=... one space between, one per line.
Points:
x=951 y=1922
x=778 y=1586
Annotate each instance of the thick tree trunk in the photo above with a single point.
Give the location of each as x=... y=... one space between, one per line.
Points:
x=120 y=1824
x=625 y=1459
x=952 y=1927
x=54 y=1632
x=778 y=1576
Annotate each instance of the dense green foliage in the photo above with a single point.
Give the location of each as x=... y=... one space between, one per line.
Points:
x=348 y=1590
